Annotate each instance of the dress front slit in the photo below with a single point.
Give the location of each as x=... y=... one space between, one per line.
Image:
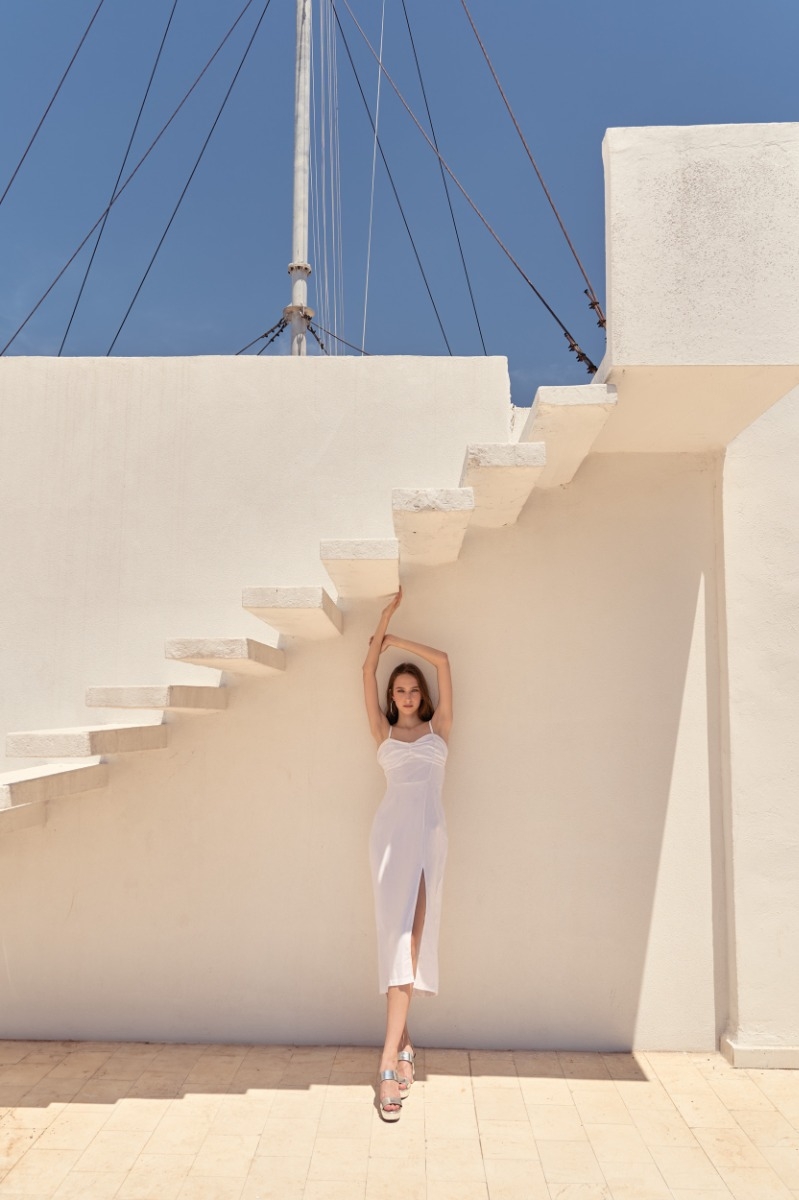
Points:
x=408 y=844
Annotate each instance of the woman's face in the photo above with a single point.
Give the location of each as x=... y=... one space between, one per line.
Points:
x=406 y=694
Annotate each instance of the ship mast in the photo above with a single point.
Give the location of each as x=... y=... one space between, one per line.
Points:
x=297 y=313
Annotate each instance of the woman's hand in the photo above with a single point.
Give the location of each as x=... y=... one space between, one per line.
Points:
x=392 y=606
x=388 y=640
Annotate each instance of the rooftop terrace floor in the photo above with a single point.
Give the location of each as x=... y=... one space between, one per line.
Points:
x=173 y=1122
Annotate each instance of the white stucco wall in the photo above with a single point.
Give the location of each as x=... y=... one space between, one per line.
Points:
x=761 y=548
x=219 y=889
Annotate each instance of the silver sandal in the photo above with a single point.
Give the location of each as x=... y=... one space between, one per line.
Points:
x=406 y=1056
x=382 y=1102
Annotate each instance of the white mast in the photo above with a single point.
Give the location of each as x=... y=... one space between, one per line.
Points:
x=297 y=313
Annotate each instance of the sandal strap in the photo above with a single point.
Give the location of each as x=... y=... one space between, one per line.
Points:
x=406 y=1056
x=389 y=1075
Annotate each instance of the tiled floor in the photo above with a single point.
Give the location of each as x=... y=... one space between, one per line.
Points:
x=150 y=1122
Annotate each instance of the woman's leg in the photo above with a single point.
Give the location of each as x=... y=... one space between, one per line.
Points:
x=398 y=1003
x=404 y=1069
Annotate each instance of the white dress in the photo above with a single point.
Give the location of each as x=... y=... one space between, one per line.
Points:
x=408 y=840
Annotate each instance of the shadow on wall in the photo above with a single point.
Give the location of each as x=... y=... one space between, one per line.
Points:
x=219 y=889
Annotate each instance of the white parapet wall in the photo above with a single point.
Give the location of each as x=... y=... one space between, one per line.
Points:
x=218 y=887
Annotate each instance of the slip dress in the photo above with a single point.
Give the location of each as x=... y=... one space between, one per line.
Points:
x=408 y=840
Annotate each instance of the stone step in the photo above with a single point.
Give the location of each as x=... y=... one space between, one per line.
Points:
x=430 y=523
x=172 y=697
x=502 y=476
x=85 y=741
x=240 y=656
x=569 y=420
x=304 y=612
x=362 y=569
x=34 y=785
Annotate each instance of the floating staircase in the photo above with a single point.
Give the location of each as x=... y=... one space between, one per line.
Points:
x=430 y=525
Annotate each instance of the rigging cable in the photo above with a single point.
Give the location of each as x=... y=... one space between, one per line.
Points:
x=118 y=178
x=573 y=344
x=191 y=176
x=141 y=161
x=443 y=176
x=278 y=325
x=388 y=171
x=52 y=101
x=360 y=349
x=589 y=291
x=374 y=172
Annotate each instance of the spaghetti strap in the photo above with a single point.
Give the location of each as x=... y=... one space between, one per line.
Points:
x=389 y=731
x=430 y=723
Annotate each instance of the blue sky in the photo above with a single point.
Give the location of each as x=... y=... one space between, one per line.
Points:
x=571 y=71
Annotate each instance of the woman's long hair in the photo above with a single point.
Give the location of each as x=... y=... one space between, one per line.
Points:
x=426 y=708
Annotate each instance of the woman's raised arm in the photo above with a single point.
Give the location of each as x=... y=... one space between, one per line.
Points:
x=442 y=719
x=378 y=722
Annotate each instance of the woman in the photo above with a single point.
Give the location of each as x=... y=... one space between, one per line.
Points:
x=408 y=844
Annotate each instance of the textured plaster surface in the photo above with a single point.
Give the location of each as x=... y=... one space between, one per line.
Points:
x=761 y=551
x=185 y=900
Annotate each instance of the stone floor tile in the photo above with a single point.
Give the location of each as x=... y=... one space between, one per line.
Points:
x=686 y=1167
x=636 y=1181
x=739 y=1093
x=296 y=1105
x=226 y=1154
x=448 y=1189
x=659 y=1128
x=178 y=1134
x=137 y=1114
x=449 y=1120
x=397 y=1188
x=455 y=1159
x=617 y=1143
x=13 y=1144
x=746 y=1183
x=398 y=1139
x=730 y=1148
x=284 y=1137
x=398 y=1172
x=345 y=1119
x=630 y=1067
x=114 y=1150
x=785 y=1161
x=329 y=1189
x=340 y=1158
x=700 y=1194
x=569 y=1162
x=600 y=1107
x=72 y=1130
x=582 y=1067
x=158 y=1176
x=90 y=1185
x=766 y=1128
x=649 y=1095
x=282 y=1189
x=537 y=1064
x=268 y=1171
x=701 y=1108
x=491 y=1068
x=508 y=1178
x=507 y=1139
x=546 y=1091
x=579 y=1191
x=556 y=1123
x=39 y=1171
x=209 y=1187
x=499 y=1104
